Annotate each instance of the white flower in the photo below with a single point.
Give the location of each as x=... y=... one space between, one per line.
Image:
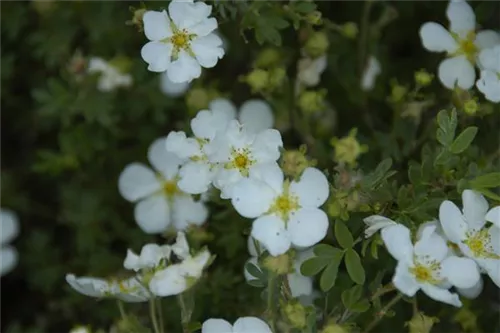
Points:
x=489 y=82
x=160 y=202
x=372 y=70
x=182 y=41
x=197 y=172
x=80 y=329
x=128 y=290
x=426 y=266
x=242 y=325
x=150 y=257
x=287 y=213
x=310 y=70
x=238 y=151
x=300 y=285
x=110 y=77
x=9 y=231
x=467 y=230
x=461 y=43
x=170 y=88
x=453 y=250
x=177 y=278
x=376 y=222
x=255 y=114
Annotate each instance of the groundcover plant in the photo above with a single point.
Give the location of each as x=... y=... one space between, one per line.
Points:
x=250 y=166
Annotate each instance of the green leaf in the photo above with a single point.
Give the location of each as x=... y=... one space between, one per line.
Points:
x=325 y=250
x=329 y=275
x=312 y=266
x=486 y=181
x=354 y=267
x=442 y=119
x=254 y=271
x=414 y=173
x=361 y=306
x=303 y=6
x=351 y=296
x=489 y=194
x=343 y=235
x=463 y=141
x=194 y=326
x=256 y=283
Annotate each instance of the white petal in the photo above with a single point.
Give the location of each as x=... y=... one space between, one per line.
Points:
x=195 y=177
x=208 y=50
x=216 y=326
x=170 y=88
x=404 y=281
x=492 y=268
x=157 y=55
x=156 y=25
x=372 y=70
x=137 y=181
x=132 y=261
x=252 y=198
x=475 y=207
x=375 y=223
x=225 y=180
x=436 y=38
x=472 y=292
x=307 y=226
x=493 y=216
x=150 y=256
x=9 y=226
x=398 y=242
x=225 y=106
x=181 y=246
x=489 y=85
x=487 y=39
x=251 y=325
x=441 y=295
x=89 y=286
x=183 y=147
x=256 y=115
x=434 y=225
x=165 y=162
x=184 y=69
x=185 y=14
x=460 y=272
x=452 y=221
x=97 y=65
x=431 y=245
x=204 y=28
x=9 y=258
x=193 y=266
x=269 y=173
x=457 y=70
x=168 y=282
x=207 y=123
x=252 y=249
x=266 y=146
x=271 y=233
x=489 y=59
x=153 y=214
x=132 y=291
x=494 y=233
x=186 y=211
x=462 y=18
x=312 y=189
x=248 y=276
x=300 y=285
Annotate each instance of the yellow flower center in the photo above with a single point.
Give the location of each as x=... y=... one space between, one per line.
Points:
x=426 y=273
x=180 y=39
x=467 y=46
x=285 y=204
x=479 y=244
x=170 y=188
x=240 y=159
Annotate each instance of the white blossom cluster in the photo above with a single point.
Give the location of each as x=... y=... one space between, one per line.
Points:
x=465 y=49
x=451 y=252
x=159 y=271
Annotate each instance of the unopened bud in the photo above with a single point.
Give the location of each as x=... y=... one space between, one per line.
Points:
x=312 y=101
x=348 y=149
x=423 y=78
x=471 y=107
x=317 y=44
x=280 y=265
x=314 y=18
x=334 y=328
x=350 y=30
x=420 y=323
x=258 y=80
x=137 y=18
x=293 y=163
x=269 y=57
x=296 y=314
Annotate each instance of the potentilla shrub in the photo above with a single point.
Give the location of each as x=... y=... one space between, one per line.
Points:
x=252 y=167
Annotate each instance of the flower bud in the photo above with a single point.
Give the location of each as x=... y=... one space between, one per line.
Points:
x=348 y=149
x=80 y=329
x=137 y=18
x=314 y=18
x=398 y=93
x=420 y=323
x=296 y=314
x=471 y=107
x=423 y=78
x=276 y=78
x=294 y=162
x=280 y=265
x=312 y=101
x=258 y=80
x=269 y=57
x=317 y=44
x=334 y=328
x=350 y=30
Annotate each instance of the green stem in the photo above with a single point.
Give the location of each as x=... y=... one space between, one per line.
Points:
x=270 y=301
x=185 y=313
x=122 y=309
x=160 y=315
x=382 y=291
x=152 y=313
x=382 y=312
x=365 y=21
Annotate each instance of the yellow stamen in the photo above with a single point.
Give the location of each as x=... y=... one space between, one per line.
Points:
x=424 y=273
x=170 y=188
x=285 y=204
